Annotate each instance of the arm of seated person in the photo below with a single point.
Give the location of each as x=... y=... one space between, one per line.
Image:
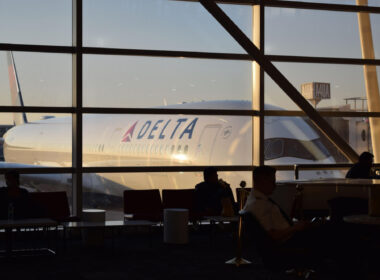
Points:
x=284 y=234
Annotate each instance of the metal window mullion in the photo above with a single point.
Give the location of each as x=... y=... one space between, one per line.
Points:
x=258 y=87
x=324 y=60
x=321 y=6
x=39 y=170
x=35 y=109
x=179 y=168
x=186 y=54
x=283 y=113
x=165 y=111
x=77 y=123
x=300 y=5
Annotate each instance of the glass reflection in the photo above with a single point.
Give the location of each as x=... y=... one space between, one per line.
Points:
x=42 y=22
x=305 y=32
x=128 y=81
x=160 y=25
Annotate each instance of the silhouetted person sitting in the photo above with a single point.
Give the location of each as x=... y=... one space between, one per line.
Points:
x=214 y=196
x=321 y=239
x=363 y=168
x=14 y=201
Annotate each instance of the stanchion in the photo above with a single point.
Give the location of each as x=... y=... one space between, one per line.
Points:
x=238 y=260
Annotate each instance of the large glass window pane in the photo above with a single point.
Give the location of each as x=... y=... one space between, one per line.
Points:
x=159 y=24
x=345 y=2
x=45 y=79
x=315 y=33
x=154 y=140
x=105 y=190
x=37 y=22
x=296 y=140
x=128 y=81
x=291 y=140
x=45 y=140
x=347 y=86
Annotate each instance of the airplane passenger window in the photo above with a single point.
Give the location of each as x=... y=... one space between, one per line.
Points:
x=172 y=149
x=186 y=149
x=179 y=149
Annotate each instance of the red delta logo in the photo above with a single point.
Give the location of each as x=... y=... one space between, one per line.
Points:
x=128 y=135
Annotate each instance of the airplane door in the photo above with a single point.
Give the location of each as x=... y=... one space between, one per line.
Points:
x=206 y=143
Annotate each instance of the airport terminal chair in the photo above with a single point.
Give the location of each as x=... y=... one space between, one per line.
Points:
x=183 y=198
x=143 y=205
x=54 y=205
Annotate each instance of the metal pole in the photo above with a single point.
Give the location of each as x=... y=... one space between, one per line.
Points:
x=258 y=88
x=238 y=260
x=370 y=76
x=77 y=63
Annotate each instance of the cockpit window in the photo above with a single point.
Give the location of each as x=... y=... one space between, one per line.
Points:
x=302 y=149
x=273 y=148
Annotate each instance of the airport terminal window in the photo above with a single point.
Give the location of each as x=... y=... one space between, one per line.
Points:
x=126 y=80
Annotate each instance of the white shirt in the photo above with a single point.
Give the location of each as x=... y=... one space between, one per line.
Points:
x=265 y=211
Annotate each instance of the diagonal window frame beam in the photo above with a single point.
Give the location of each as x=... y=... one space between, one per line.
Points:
x=279 y=78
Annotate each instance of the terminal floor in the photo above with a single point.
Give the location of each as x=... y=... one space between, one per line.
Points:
x=133 y=256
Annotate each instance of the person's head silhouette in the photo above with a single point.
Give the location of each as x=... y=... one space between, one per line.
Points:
x=210 y=175
x=12 y=179
x=264 y=179
x=366 y=159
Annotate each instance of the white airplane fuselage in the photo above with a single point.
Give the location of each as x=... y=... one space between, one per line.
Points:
x=151 y=140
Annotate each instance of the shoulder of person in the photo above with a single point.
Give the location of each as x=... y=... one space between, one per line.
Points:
x=200 y=185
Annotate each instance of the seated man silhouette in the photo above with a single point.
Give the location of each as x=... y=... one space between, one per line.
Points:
x=214 y=197
x=320 y=239
x=363 y=168
x=14 y=200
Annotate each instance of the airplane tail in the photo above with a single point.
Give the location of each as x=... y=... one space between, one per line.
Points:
x=16 y=96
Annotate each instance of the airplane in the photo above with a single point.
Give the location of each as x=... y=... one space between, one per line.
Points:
x=155 y=140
